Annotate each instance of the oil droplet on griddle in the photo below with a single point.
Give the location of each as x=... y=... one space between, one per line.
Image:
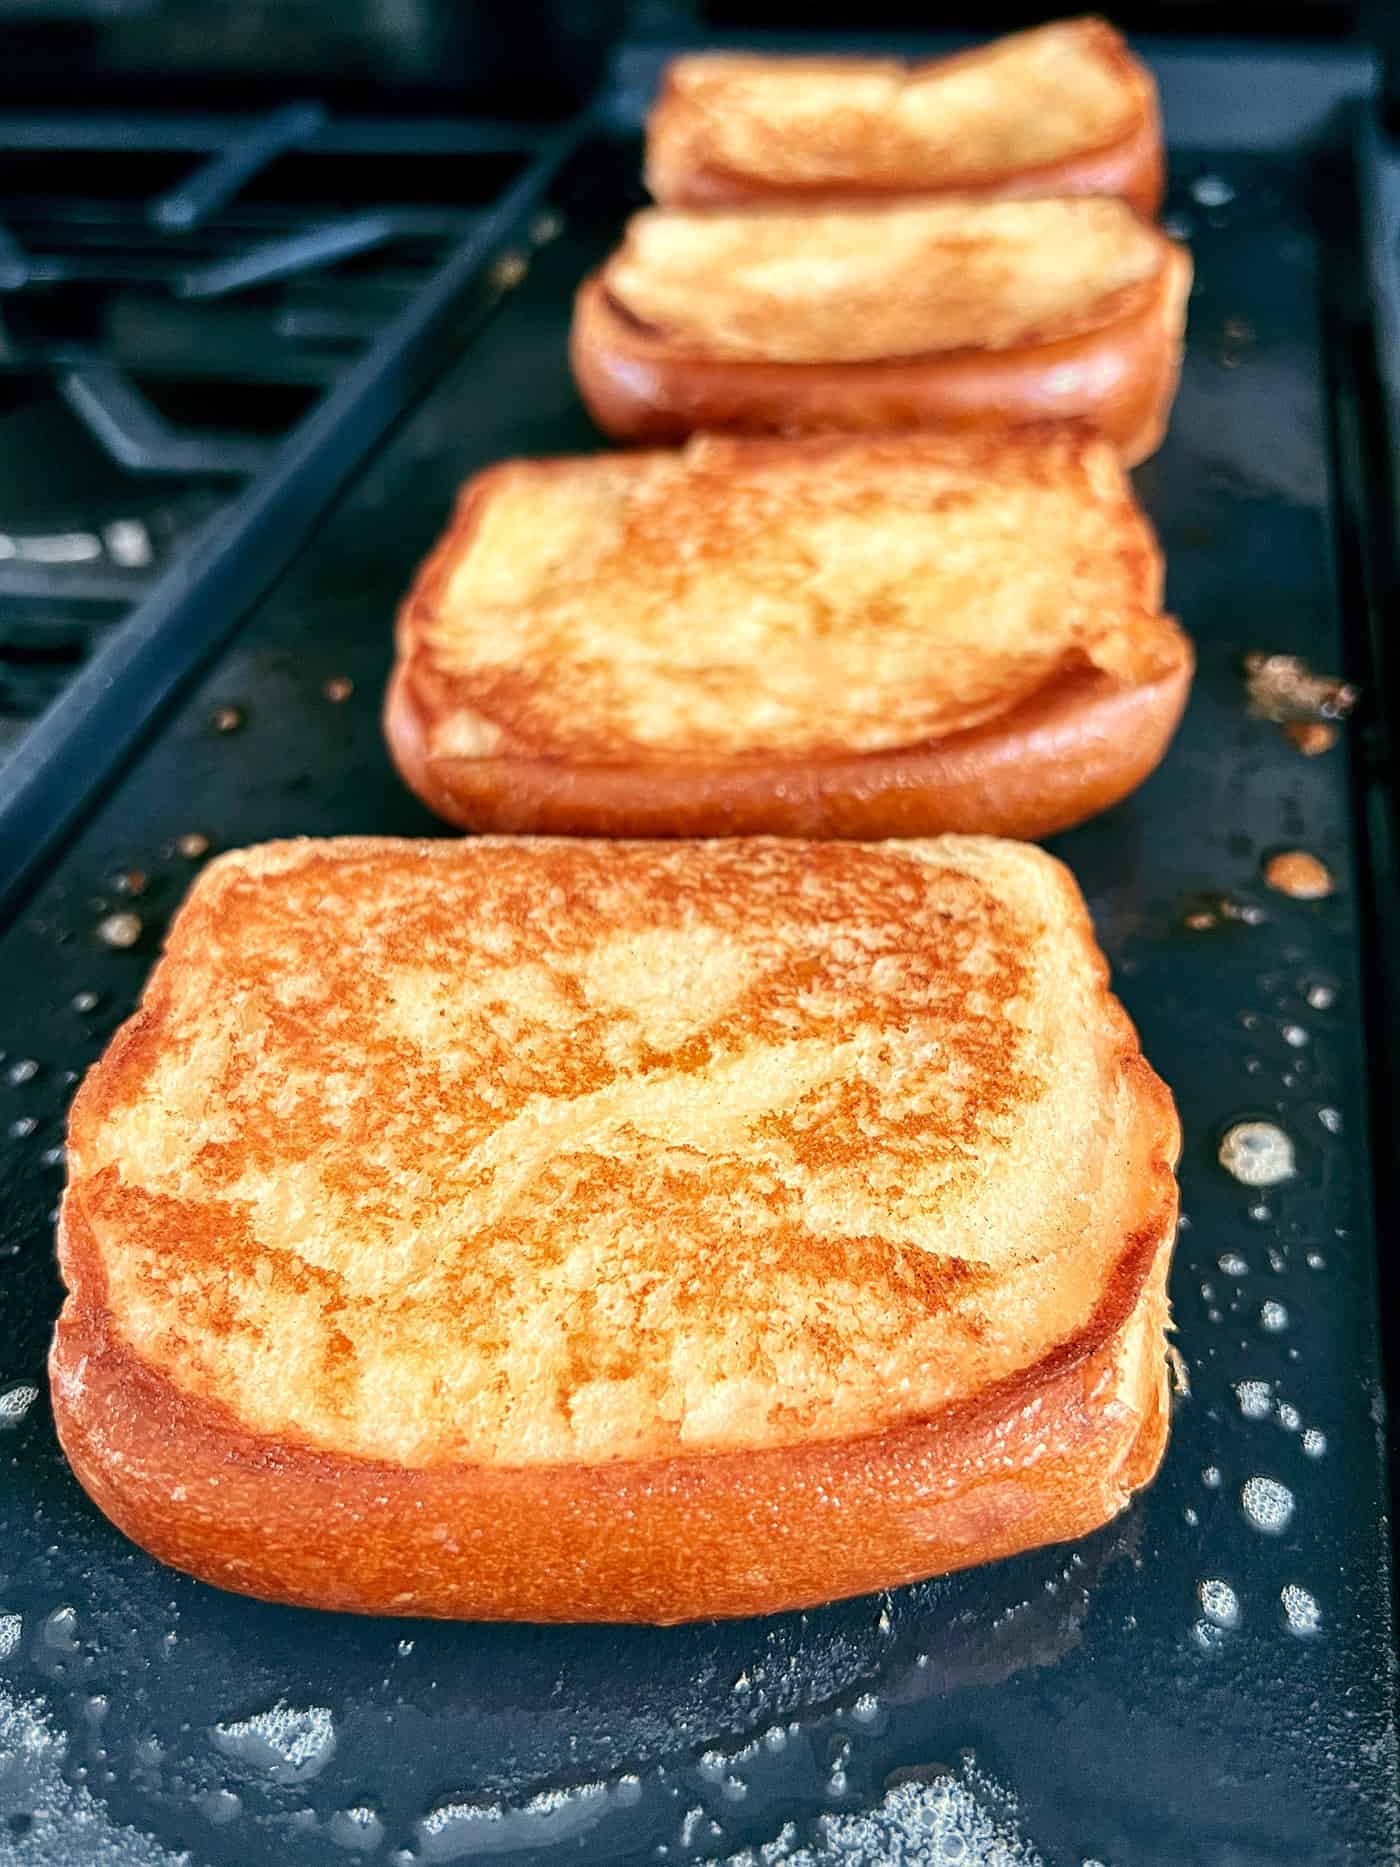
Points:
x=1257 y=1153
x=120 y=930
x=1219 y=1602
x=358 y=1827
x=1314 y=1443
x=192 y=845
x=220 y=1806
x=1212 y=191
x=15 y=1401
x=1256 y=1399
x=1273 y=1316
x=1301 y=1613
x=60 y=1630
x=289 y=1744
x=1267 y=1504
x=22 y=1072
x=84 y=1001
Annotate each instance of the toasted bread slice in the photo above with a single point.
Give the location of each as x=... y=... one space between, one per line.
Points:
x=1064 y=109
x=958 y=313
x=564 y=1231
x=834 y=636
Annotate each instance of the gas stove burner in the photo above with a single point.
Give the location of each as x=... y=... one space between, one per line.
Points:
x=176 y=298
x=80 y=541
x=68 y=504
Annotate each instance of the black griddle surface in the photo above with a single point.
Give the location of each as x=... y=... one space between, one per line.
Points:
x=1072 y=1706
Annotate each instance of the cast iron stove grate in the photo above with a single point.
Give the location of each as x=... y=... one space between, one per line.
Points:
x=178 y=299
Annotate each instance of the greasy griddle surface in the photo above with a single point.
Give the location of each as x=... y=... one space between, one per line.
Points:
x=1084 y=1683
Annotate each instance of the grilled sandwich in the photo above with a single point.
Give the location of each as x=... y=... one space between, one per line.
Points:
x=566 y=1230
x=1064 y=109
x=832 y=636
x=955 y=313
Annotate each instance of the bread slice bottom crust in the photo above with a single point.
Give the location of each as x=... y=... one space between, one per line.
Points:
x=1070 y=750
x=1120 y=377
x=1045 y=1456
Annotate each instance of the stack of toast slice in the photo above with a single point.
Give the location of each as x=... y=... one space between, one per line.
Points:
x=860 y=245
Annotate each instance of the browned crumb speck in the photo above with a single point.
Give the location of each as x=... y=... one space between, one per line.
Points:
x=1311 y=737
x=1294 y=872
x=1283 y=688
x=339 y=687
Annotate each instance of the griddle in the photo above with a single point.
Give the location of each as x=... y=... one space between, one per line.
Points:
x=1193 y=1684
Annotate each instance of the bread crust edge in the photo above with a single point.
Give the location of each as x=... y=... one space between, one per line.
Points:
x=1120 y=377
x=1078 y=745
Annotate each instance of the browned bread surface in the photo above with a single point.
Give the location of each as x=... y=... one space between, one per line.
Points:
x=1062 y=109
x=950 y=313
x=832 y=636
x=624 y=1231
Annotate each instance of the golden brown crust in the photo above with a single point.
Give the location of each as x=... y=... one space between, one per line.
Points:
x=1076 y=747
x=1070 y=749
x=641 y=385
x=1048 y=1457
x=1044 y=1454
x=1129 y=164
